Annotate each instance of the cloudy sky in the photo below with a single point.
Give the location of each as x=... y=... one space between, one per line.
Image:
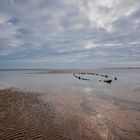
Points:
x=69 y=33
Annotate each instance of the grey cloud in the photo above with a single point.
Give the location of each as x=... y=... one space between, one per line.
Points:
x=96 y=30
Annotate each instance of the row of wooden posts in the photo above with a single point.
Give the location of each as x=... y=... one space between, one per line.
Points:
x=86 y=79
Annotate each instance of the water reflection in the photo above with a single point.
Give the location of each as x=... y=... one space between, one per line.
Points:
x=33 y=80
x=90 y=106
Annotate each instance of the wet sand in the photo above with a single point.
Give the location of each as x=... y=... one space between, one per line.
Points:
x=73 y=116
x=24 y=116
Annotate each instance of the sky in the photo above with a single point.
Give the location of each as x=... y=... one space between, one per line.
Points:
x=69 y=33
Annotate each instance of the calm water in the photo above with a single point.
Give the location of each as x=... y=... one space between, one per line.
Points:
x=127 y=85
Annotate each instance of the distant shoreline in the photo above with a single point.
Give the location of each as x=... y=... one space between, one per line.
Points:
x=19 y=69
x=121 y=68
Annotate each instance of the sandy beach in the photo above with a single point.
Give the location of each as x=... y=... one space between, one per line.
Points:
x=25 y=115
x=62 y=106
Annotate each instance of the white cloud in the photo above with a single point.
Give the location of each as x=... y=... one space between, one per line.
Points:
x=102 y=13
x=8 y=40
x=67 y=26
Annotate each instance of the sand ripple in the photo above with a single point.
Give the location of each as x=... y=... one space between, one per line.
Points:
x=24 y=116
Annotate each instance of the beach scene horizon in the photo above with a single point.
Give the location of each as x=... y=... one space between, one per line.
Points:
x=69 y=69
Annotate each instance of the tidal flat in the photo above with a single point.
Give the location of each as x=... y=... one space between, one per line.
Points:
x=56 y=104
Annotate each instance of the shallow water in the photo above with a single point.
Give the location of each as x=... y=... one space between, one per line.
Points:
x=98 y=103
x=127 y=80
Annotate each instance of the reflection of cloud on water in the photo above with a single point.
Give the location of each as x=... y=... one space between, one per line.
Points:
x=89 y=90
x=3 y=85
